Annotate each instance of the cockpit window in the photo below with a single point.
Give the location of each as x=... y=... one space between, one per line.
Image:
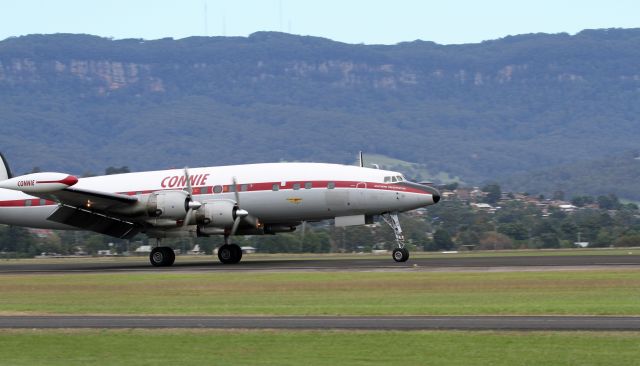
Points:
x=387 y=179
x=394 y=179
x=400 y=178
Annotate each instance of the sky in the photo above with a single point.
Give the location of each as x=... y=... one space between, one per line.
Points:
x=350 y=21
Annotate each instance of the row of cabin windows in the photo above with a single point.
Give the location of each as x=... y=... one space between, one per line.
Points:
x=218 y=189
x=307 y=185
x=40 y=202
x=275 y=187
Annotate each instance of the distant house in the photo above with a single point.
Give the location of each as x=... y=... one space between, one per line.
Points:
x=248 y=250
x=143 y=249
x=484 y=207
x=567 y=207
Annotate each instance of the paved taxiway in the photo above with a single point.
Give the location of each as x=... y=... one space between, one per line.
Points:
x=383 y=263
x=585 y=323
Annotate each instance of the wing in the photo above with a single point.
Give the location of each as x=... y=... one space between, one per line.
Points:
x=93 y=210
x=89 y=199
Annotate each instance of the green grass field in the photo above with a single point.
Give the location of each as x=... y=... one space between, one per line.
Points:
x=592 y=292
x=204 y=347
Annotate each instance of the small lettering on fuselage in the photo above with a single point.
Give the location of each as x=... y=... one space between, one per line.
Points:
x=26 y=183
x=181 y=181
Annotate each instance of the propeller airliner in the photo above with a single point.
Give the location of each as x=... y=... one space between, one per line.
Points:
x=250 y=199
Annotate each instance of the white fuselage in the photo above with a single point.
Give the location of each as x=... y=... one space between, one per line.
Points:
x=274 y=193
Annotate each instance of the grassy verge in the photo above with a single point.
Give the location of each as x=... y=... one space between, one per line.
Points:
x=203 y=347
x=317 y=293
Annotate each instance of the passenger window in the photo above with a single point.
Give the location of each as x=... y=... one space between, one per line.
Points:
x=43 y=202
x=308 y=185
x=331 y=185
x=231 y=189
x=217 y=189
x=296 y=186
x=387 y=179
x=275 y=187
x=244 y=187
x=27 y=202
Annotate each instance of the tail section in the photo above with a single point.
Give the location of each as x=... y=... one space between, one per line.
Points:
x=5 y=171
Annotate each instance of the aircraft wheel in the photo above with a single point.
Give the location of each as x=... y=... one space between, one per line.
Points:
x=237 y=255
x=229 y=254
x=171 y=256
x=400 y=254
x=162 y=256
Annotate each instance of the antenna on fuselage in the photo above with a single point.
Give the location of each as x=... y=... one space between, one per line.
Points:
x=360 y=159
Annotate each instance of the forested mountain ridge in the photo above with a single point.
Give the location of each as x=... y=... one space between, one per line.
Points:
x=480 y=111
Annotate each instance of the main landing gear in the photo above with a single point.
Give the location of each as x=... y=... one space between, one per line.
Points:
x=229 y=253
x=401 y=253
x=162 y=257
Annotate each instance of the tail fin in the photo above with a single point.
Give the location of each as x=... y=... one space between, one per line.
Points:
x=5 y=171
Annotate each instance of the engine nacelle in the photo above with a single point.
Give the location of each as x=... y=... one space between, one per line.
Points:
x=217 y=213
x=168 y=204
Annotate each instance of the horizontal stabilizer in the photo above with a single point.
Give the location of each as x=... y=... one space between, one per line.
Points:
x=39 y=182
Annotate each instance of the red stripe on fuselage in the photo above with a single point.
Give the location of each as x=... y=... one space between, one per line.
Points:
x=251 y=187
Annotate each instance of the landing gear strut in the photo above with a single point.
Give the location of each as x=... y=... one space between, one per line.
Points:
x=229 y=253
x=401 y=253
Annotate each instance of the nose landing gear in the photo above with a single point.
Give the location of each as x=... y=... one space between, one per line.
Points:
x=401 y=253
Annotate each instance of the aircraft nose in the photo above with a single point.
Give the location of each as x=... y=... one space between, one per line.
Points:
x=435 y=194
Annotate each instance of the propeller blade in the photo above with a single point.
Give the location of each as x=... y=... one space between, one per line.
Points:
x=236 y=224
x=188 y=182
x=240 y=213
x=235 y=191
x=192 y=205
x=187 y=218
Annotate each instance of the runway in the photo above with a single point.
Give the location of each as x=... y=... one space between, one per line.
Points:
x=504 y=323
x=383 y=263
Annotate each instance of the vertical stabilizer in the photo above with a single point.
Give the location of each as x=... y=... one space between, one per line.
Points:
x=5 y=171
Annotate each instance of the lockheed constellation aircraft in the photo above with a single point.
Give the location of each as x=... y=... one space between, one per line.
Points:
x=251 y=199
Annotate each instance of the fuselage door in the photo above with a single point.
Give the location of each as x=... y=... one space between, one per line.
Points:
x=359 y=196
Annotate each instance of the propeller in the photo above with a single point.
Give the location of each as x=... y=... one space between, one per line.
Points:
x=240 y=213
x=192 y=205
